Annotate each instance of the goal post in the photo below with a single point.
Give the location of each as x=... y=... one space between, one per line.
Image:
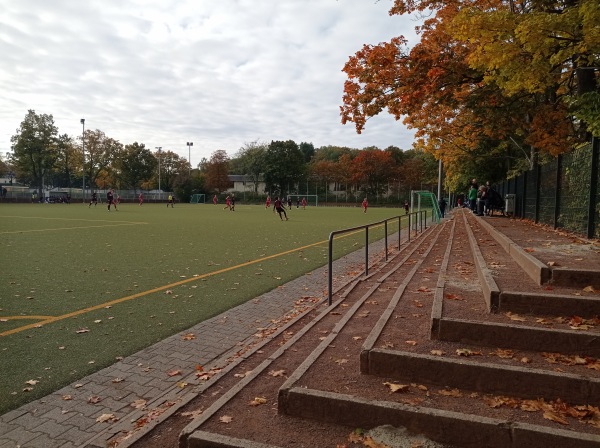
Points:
x=198 y=199
x=311 y=199
x=425 y=200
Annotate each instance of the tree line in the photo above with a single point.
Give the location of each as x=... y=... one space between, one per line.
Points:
x=41 y=157
x=492 y=85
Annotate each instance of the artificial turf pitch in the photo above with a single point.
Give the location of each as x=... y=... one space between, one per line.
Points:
x=80 y=286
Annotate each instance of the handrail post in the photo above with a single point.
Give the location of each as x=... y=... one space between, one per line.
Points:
x=330 y=276
x=366 y=251
x=409 y=228
x=399 y=231
x=385 y=239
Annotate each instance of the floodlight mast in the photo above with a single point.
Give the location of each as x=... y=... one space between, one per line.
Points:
x=189 y=145
x=159 y=148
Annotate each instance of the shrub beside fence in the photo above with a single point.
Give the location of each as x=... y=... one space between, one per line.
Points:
x=563 y=193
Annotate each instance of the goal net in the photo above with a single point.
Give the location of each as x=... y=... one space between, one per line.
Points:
x=311 y=199
x=198 y=199
x=425 y=200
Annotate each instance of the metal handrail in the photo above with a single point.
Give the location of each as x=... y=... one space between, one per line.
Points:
x=420 y=219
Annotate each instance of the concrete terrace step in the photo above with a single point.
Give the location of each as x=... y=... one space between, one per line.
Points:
x=305 y=396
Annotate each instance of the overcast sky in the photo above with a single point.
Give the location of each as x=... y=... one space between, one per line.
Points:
x=218 y=73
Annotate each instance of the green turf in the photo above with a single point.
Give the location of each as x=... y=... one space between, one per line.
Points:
x=59 y=260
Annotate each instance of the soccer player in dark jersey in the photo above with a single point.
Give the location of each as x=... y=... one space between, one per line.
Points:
x=280 y=208
x=94 y=199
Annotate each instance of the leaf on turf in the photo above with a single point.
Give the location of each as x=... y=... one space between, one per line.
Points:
x=453 y=297
x=82 y=330
x=466 y=352
x=174 y=372
x=437 y=352
x=277 y=373
x=188 y=337
x=341 y=361
x=67 y=397
x=411 y=342
x=225 y=419
x=589 y=289
x=181 y=384
x=94 y=399
x=32 y=382
x=117 y=380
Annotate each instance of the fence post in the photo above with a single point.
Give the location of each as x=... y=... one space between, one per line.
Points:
x=366 y=251
x=330 y=276
x=538 y=187
x=557 y=188
x=593 y=198
x=524 y=195
x=386 y=241
x=399 y=231
x=409 y=228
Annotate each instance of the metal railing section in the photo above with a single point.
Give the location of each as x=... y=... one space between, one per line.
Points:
x=417 y=221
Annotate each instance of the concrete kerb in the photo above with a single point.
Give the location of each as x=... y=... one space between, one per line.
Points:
x=491 y=292
x=519 y=337
x=466 y=375
x=437 y=309
x=469 y=431
x=534 y=268
x=548 y=304
x=202 y=439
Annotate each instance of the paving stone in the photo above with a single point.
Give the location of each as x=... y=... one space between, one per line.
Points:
x=20 y=436
x=52 y=428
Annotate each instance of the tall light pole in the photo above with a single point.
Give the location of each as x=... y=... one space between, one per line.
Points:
x=159 y=148
x=82 y=121
x=189 y=145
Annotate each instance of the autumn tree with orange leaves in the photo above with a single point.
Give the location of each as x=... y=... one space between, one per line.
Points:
x=490 y=84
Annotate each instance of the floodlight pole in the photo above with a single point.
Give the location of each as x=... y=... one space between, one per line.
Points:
x=159 y=148
x=82 y=121
x=189 y=145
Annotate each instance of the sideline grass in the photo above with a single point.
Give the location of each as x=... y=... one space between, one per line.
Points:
x=65 y=264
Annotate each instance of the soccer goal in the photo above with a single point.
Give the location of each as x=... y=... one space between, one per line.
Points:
x=311 y=199
x=198 y=199
x=425 y=200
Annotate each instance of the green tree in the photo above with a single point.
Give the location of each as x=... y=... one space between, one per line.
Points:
x=100 y=154
x=284 y=166
x=136 y=164
x=172 y=168
x=34 y=149
x=68 y=161
x=250 y=160
x=308 y=149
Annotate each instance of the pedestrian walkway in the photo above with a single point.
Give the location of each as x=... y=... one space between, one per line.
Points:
x=89 y=411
